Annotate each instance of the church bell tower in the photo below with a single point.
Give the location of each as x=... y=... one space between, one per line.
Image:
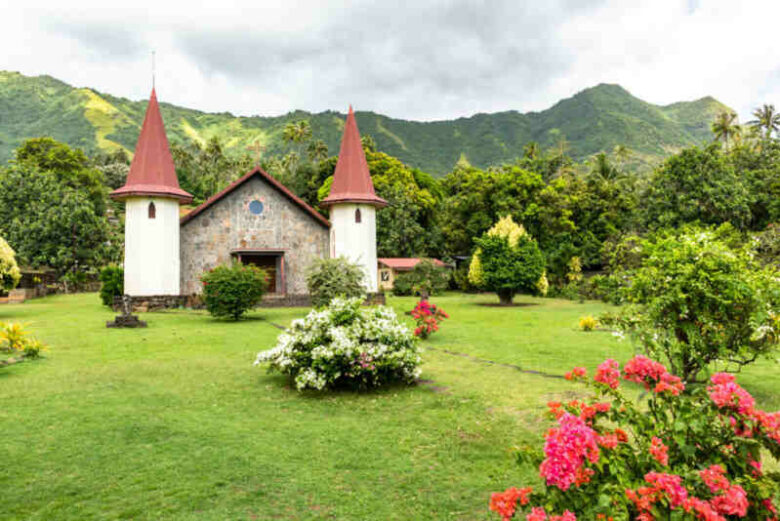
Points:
x=152 y=197
x=353 y=206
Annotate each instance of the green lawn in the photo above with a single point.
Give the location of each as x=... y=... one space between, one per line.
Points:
x=174 y=422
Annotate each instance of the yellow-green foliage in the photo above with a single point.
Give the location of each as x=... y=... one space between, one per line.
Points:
x=475 y=270
x=9 y=270
x=105 y=118
x=506 y=227
x=588 y=323
x=15 y=339
x=575 y=270
x=543 y=284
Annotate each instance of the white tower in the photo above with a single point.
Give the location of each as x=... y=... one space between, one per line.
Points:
x=353 y=206
x=152 y=197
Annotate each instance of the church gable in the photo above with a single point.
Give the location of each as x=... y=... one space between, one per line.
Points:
x=255 y=220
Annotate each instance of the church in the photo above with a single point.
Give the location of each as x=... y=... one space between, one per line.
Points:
x=255 y=220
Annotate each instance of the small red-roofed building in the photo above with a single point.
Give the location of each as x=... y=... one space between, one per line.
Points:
x=388 y=269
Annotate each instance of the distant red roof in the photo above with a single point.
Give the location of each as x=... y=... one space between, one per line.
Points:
x=352 y=180
x=405 y=264
x=256 y=171
x=152 y=172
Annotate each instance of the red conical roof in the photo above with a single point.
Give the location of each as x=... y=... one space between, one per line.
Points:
x=152 y=172
x=352 y=181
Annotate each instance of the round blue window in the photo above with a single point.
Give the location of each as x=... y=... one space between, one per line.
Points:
x=256 y=207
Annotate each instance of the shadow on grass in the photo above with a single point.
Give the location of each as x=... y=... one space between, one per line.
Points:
x=512 y=305
x=287 y=384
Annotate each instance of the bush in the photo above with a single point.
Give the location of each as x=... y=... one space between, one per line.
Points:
x=683 y=454
x=698 y=301
x=112 y=280
x=331 y=278
x=345 y=346
x=428 y=318
x=508 y=261
x=588 y=323
x=230 y=291
x=426 y=276
x=9 y=271
x=15 y=340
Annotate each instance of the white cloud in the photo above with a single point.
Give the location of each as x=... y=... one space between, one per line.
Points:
x=428 y=60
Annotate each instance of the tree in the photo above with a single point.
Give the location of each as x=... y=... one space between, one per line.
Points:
x=508 y=261
x=767 y=119
x=52 y=224
x=699 y=300
x=726 y=127
x=205 y=170
x=9 y=271
x=69 y=166
x=697 y=185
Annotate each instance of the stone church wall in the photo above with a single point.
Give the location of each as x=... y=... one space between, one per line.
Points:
x=211 y=237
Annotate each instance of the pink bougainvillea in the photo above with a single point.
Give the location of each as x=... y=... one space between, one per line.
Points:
x=567 y=448
x=610 y=457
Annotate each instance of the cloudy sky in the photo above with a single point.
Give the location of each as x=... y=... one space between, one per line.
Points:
x=430 y=59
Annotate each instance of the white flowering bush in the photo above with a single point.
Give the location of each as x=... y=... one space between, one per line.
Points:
x=345 y=345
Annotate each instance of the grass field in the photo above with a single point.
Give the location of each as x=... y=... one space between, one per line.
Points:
x=174 y=422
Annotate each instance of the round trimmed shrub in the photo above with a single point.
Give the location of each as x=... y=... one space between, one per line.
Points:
x=327 y=279
x=345 y=346
x=230 y=291
x=426 y=277
x=112 y=280
x=9 y=270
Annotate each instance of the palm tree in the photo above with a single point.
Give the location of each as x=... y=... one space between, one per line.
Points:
x=602 y=168
x=532 y=150
x=297 y=131
x=622 y=154
x=726 y=127
x=767 y=118
x=317 y=150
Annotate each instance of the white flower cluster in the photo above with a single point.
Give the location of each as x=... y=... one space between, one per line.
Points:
x=345 y=345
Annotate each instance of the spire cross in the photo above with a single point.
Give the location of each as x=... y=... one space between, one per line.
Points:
x=258 y=149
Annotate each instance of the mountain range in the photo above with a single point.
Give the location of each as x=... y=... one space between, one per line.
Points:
x=594 y=120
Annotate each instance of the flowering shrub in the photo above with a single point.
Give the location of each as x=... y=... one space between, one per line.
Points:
x=231 y=291
x=699 y=300
x=428 y=318
x=683 y=454
x=588 y=323
x=345 y=345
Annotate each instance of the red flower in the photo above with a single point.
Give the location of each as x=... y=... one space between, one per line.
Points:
x=659 y=451
x=577 y=372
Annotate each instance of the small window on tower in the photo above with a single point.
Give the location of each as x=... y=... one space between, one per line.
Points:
x=152 y=211
x=358 y=217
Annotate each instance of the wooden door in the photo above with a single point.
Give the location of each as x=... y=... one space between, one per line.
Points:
x=267 y=263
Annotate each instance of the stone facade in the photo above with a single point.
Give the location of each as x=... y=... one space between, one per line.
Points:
x=229 y=227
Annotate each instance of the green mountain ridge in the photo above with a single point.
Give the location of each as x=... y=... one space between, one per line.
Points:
x=594 y=120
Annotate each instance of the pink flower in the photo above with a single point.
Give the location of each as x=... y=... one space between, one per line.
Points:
x=659 y=451
x=566 y=516
x=715 y=478
x=652 y=375
x=670 y=485
x=727 y=394
x=733 y=502
x=567 y=448
x=608 y=373
x=608 y=441
x=537 y=514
